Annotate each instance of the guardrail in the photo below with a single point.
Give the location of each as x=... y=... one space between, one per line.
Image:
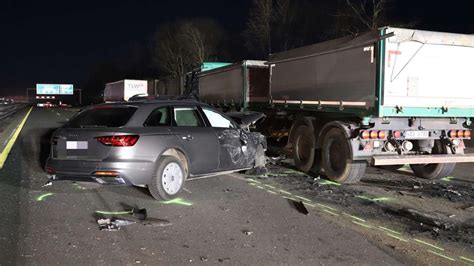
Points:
x=9 y=109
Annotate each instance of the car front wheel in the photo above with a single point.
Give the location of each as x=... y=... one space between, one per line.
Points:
x=168 y=180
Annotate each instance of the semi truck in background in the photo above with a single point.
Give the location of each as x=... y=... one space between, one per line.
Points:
x=389 y=97
x=124 y=89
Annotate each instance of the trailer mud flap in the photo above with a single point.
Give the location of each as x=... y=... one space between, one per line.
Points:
x=423 y=159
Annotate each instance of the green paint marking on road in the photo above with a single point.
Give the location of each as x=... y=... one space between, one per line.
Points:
x=269 y=186
x=11 y=142
x=285 y=192
x=333 y=213
x=254 y=181
x=290 y=198
x=389 y=230
x=329 y=182
x=178 y=201
x=277 y=175
x=327 y=207
x=260 y=187
x=467 y=259
x=397 y=237
x=114 y=212
x=441 y=255
x=448 y=178
x=252 y=184
x=272 y=192
x=78 y=186
x=42 y=197
x=362 y=224
x=354 y=217
x=303 y=198
x=428 y=244
x=310 y=205
x=374 y=199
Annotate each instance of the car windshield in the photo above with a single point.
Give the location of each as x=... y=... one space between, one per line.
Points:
x=103 y=116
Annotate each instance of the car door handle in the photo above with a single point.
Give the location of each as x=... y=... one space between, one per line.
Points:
x=188 y=137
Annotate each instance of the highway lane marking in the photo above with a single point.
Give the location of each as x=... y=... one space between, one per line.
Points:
x=440 y=255
x=11 y=142
x=359 y=221
x=466 y=259
x=428 y=244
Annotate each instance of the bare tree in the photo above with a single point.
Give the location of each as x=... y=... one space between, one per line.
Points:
x=368 y=12
x=179 y=46
x=258 y=31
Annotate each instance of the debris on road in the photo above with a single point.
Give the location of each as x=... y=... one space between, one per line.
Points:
x=421 y=217
x=299 y=206
x=48 y=184
x=140 y=214
x=247 y=232
x=113 y=224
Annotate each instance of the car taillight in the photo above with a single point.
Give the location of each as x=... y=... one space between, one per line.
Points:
x=365 y=134
x=467 y=134
x=374 y=134
x=118 y=141
x=460 y=133
x=453 y=134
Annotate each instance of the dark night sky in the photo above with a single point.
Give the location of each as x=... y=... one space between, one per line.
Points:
x=59 y=41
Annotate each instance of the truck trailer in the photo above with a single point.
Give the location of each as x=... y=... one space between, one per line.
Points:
x=390 y=97
x=124 y=89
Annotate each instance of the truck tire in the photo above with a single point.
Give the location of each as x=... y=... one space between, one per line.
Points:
x=304 y=143
x=336 y=160
x=434 y=171
x=168 y=180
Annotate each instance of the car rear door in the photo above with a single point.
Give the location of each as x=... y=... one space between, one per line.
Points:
x=199 y=142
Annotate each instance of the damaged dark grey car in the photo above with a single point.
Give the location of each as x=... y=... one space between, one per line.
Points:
x=158 y=144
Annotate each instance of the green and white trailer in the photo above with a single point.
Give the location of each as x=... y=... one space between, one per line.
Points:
x=388 y=97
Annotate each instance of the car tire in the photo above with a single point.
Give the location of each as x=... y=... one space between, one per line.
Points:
x=336 y=160
x=304 y=143
x=168 y=180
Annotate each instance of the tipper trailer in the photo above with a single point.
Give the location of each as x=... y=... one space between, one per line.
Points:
x=392 y=96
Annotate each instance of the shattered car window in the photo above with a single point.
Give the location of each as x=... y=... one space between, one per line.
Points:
x=217 y=120
x=187 y=117
x=159 y=117
x=103 y=116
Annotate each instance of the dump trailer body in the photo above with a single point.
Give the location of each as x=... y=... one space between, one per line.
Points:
x=390 y=72
x=235 y=85
x=124 y=89
x=427 y=74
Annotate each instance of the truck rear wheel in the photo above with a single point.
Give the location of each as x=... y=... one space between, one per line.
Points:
x=336 y=160
x=434 y=171
x=304 y=144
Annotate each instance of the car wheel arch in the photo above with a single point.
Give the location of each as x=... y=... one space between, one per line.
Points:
x=178 y=153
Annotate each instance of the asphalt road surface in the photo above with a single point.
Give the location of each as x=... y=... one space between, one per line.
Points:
x=231 y=219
